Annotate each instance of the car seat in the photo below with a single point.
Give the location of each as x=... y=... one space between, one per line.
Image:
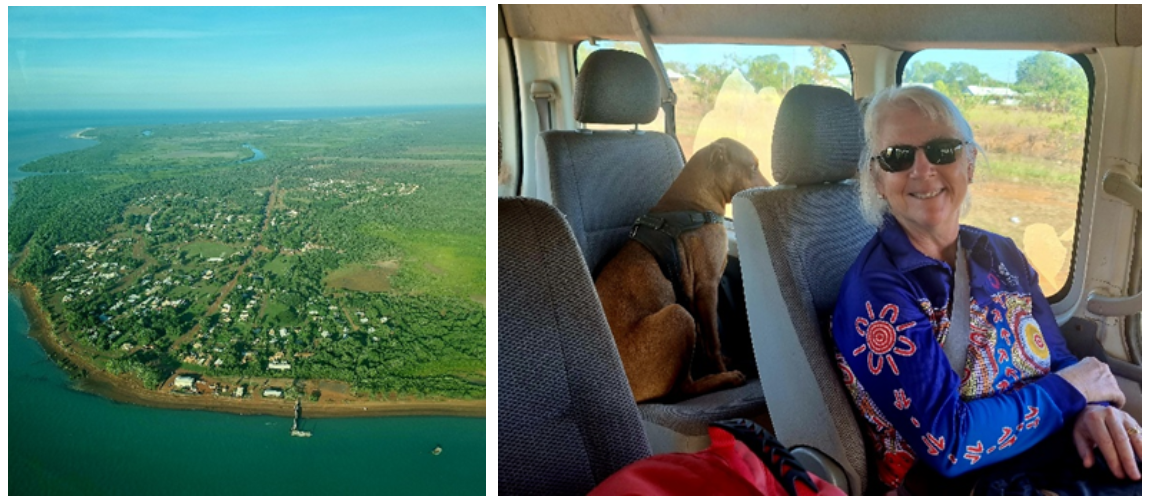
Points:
x=797 y=240
x=567 y=419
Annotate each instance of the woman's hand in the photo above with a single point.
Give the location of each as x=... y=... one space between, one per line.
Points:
x=1093 y=379
x=1115 y=433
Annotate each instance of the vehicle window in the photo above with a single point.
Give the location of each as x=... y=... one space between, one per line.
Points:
x=1028 y=111
x=733 y=90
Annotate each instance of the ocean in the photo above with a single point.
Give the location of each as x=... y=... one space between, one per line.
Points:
x=62 y=441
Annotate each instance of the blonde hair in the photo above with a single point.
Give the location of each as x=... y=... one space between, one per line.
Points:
x=935 y=106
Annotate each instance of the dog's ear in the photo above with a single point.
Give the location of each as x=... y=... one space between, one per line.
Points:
x=718 y=156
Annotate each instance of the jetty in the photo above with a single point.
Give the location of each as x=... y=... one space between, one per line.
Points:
x=296 y=432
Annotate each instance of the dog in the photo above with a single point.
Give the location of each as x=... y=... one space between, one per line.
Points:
x=656 y=336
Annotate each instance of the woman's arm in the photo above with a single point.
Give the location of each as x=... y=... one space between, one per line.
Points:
x=887 y=339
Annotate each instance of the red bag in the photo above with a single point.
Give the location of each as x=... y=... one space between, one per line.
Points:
x=727 y=467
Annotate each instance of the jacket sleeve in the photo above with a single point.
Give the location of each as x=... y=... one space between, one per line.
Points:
x=885 y=334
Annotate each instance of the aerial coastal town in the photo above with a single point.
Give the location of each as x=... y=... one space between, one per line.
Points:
x=329 y=261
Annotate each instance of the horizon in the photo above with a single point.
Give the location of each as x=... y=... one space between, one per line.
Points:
x=230 y=58
x=209 y=109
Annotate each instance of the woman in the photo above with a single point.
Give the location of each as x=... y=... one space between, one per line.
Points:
x=1018 y=385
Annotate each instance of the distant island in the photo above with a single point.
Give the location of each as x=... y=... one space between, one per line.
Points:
x=241 y=266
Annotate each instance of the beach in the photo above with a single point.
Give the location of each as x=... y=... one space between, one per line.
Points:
x=90 y=378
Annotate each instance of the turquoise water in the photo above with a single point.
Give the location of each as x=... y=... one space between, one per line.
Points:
x=257 y=154
x=61 y=441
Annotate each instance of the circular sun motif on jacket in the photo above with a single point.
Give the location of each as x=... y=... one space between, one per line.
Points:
x=1035 y=340
x=1033 y=337
x=1029 y=352
x=882 y=338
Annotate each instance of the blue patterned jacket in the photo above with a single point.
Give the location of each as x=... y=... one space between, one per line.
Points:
x=890 y=321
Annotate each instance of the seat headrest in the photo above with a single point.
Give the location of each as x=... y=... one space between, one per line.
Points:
x=616 y=87
x=818 y=136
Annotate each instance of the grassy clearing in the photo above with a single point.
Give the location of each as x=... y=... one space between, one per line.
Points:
x=364 y=277
x=440 y=262
x=1018 y=117
x=184 y=151
x=207 y=249
x=188 y=367
x=203 y=296
x=137 y=210
x=280 y=314
x=1023 y=169
x=280 y=265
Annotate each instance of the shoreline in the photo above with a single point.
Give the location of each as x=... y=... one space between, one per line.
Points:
x=79 y=135
x=87 y=377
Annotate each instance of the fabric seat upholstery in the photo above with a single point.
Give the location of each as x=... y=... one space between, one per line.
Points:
x=682 y=426
x=797 y=240
x=603 y=180
x=567 y=419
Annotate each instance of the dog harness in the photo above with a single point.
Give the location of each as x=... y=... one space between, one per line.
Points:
x=659 y=234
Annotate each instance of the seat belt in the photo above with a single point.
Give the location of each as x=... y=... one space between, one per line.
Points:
x=642 y=27
x=544 y=94
x=959 y=332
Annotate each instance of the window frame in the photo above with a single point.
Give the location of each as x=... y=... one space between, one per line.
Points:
x=515 y=74
x=1089 y=71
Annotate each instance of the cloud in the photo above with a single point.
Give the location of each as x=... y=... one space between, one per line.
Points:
x=123 y=34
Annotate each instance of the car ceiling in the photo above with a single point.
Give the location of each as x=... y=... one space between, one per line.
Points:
x=1066 y=28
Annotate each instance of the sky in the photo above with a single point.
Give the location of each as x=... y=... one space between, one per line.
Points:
x=259 y=57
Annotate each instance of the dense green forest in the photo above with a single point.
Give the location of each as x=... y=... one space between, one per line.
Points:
x=353 y=251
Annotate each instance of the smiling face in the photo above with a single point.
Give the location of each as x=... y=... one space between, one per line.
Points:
x=926 y=199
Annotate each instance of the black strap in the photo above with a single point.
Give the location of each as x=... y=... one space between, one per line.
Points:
x=777 y=459
x=676 y=223
x=659 y=234
x=665 y=249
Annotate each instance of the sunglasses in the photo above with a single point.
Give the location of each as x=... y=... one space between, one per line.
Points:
x=899 y=158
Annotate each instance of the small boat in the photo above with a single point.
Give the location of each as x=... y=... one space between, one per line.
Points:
x=438 y=450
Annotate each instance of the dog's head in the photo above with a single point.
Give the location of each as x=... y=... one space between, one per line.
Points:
x=734 y=166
